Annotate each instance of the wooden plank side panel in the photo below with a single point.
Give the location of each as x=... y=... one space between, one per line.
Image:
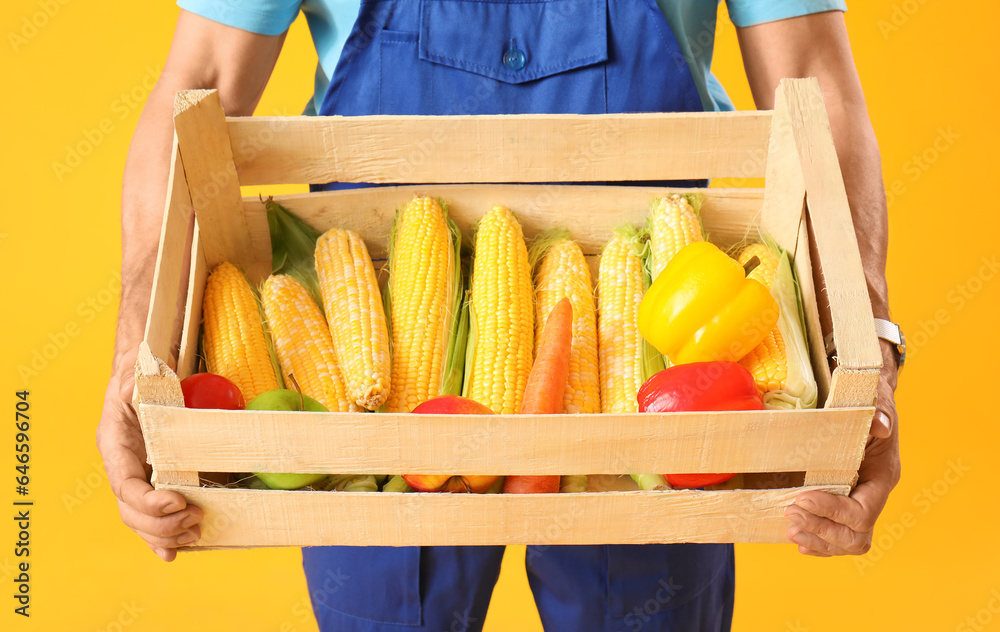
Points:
x=519 y=148
x=784 y=190
x=207 y=157
x=233 y=518
x=170 y=258
x=738 y=441
x=826 y=198
x=187 y=359
x=590 y=212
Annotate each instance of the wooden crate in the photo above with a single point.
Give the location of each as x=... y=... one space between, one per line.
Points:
x=802 y=202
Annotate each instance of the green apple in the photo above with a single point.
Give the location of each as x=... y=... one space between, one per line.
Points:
x=287 y=399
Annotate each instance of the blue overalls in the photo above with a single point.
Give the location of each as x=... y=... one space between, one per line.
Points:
x=513 y=57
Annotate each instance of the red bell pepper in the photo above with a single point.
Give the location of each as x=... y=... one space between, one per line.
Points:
x=700 y=386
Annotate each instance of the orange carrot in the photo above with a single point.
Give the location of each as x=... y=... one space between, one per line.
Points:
x=546 y=388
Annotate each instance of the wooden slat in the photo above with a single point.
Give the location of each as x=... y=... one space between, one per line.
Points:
x=207 y=157
x=156 y=384
x=234 y=518
x=170 y=258
x=739 y=441
x=831 y=477
x=590 y=212
x=785 y=189
x=810 y=306
x=826 y=199
x=520 y=148
x=187 y=357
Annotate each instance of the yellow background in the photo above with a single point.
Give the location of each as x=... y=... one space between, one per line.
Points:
x=930 y=82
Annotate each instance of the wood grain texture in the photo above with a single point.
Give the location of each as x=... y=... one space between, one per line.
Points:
x=207 y=157
x=517 y=148
x=234 y=518
x=156 y=383
x=170 y=257
x=738 y=441
x=187 y=357
x=829 y=212
x=589 y=212
x=785 y=189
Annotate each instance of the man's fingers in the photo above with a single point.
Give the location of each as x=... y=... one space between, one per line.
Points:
x=830 y=531
x=881 y=425
x=140 y=495
x=163 y=526
x=167 y=555
x=845 y=510
x=813 y=542
x=184 y=539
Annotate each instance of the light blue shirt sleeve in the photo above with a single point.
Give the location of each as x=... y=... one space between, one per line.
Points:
x=750 y=12
x=266 y=17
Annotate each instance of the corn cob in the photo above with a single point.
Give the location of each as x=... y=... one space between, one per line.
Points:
x=626 y=361
x=303 y=344
x=780 y=364
x=673 y=224
x=354 y=312
x=423 y=302
x=235 y=344
x=562 y=271
x=501 y=337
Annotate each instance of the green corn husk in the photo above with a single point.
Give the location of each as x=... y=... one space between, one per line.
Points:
x=652 y=360
x=801 y=390
x=351 y=483
x=649 y=482
x=293 y=247
x=397 y=484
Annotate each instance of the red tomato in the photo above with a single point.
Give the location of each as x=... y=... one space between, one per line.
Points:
x=207 y=390
x=690 y=481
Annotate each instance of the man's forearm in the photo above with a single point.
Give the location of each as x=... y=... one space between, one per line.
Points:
x=144 y=186
x=861 y=166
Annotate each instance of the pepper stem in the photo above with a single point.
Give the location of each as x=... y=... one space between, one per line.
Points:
x=750 y=265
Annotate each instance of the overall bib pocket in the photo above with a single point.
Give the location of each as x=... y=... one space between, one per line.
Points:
x=497 y=58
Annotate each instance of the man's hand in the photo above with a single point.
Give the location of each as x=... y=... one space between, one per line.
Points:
x=825 y=524
x=162 y=518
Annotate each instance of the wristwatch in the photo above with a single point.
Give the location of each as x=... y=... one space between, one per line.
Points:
x=884 y=329
x=888 y=330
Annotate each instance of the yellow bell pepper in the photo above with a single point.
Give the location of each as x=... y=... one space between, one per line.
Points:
x=702 y=308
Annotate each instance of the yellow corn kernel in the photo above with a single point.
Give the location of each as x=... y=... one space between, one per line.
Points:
x=767 y=362
x=563 y=272
x=354 y=312
x=421 y=287
x=303 y=344
x=673 y=224
x=501 y=337
x=620 y=286
x=235 y=344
